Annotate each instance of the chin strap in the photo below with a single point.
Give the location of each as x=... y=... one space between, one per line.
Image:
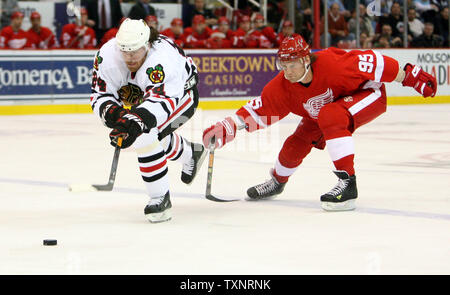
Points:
x=307 y=67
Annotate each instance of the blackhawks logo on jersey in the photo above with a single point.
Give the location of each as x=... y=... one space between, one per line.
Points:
x=131 y=94
x=156 y=74
x=98 y=60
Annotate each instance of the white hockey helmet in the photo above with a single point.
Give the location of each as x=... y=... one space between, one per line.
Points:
x=132 y=34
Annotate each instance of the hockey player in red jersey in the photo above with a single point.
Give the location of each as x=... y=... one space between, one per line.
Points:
x=41 y=37
x=175 y=32
x=197 y=35
x=332 y=106
x=111 y=33
x=79 y=36
x=13 y=37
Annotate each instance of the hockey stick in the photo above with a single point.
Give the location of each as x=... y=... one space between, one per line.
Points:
x=209 y=178
x=112 y=175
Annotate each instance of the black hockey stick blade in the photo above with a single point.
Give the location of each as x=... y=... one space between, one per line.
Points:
x=112 y=175
x=208 y=194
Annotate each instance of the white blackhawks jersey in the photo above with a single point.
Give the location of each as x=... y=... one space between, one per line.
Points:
x=159 y=83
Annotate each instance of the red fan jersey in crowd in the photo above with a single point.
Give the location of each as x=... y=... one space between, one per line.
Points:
x=41 y=37
x=175 y=32
x=78 y=37
x=197 y=35
x=44 y=39
x=111 y=33
x=265 y=35
x=241 y=38
x=222 y=36
x=10 y=39
x=13 y=37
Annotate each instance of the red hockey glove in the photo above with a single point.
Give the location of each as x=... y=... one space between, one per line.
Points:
x=420 y=80
x=222 y=132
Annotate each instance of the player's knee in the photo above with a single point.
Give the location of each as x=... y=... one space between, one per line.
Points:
x=333 y=116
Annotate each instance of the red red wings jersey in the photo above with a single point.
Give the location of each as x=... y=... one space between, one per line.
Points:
x=179 y=40
x=111 y=33
x=69 y=37
x=45 y=39
x=336 y=74
x=13 y=40
x=196 y=40
x=241 y=39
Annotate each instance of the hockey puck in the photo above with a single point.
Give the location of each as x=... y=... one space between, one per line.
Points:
x=50 y=242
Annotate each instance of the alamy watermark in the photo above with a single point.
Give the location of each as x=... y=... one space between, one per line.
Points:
x=374 y=8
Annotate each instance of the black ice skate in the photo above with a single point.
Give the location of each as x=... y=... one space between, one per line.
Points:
x=342 y=197
x=267 y=189
x=158 y=209
x=193 y=165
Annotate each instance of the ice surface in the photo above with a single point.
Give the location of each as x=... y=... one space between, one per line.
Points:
x=401 y=224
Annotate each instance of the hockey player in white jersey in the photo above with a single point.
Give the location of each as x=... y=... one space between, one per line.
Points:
x=151 y=74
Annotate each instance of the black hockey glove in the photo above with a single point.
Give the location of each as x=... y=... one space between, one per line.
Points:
x=131 y=125
x=111 y=113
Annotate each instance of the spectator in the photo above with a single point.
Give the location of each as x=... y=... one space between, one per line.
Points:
x=41 y=37
x=152 y=21
x=365 y=42
x=428 y=39
x=13 y=37
x=386 y=33
x=342 y=8
x=415 y=26
x=441 y=25
x=141 y=9
x=287 y=30
x=197 y=35
x=175 y=32
x=337 y=26
x=365 y=23
x=200 y=9
x=382 y=42
x=78 y=35
x=222 y=36
x=103 y=15
x=241 y=38
x=111 y=33
x=7 y=8
x=392 y=20
x=267 y=38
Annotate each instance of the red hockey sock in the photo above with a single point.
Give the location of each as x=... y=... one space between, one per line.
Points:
x=280 y=179
x=346 y=164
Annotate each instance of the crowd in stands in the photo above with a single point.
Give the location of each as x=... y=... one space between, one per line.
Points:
x=202 y=27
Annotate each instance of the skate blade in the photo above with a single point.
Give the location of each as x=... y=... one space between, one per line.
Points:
x=159 y=217
x=344 y=206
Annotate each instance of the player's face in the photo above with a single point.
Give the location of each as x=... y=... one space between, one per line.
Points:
x=17 y=22
x=293 y=70
x=177 y=29
x=134 y=59
x=224 y=28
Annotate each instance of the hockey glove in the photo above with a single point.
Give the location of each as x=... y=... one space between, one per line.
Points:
x=129 y=126
x=111 y=113
x=222 y=132
x=420 y=80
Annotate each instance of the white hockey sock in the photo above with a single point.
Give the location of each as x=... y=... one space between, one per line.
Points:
x=177 y=148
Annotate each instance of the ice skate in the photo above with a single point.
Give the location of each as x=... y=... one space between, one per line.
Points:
x=343 y=196
x=193 y=165
x=158 y=209
x=265 y=190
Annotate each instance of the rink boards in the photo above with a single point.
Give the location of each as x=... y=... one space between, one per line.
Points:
x=58 y=81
